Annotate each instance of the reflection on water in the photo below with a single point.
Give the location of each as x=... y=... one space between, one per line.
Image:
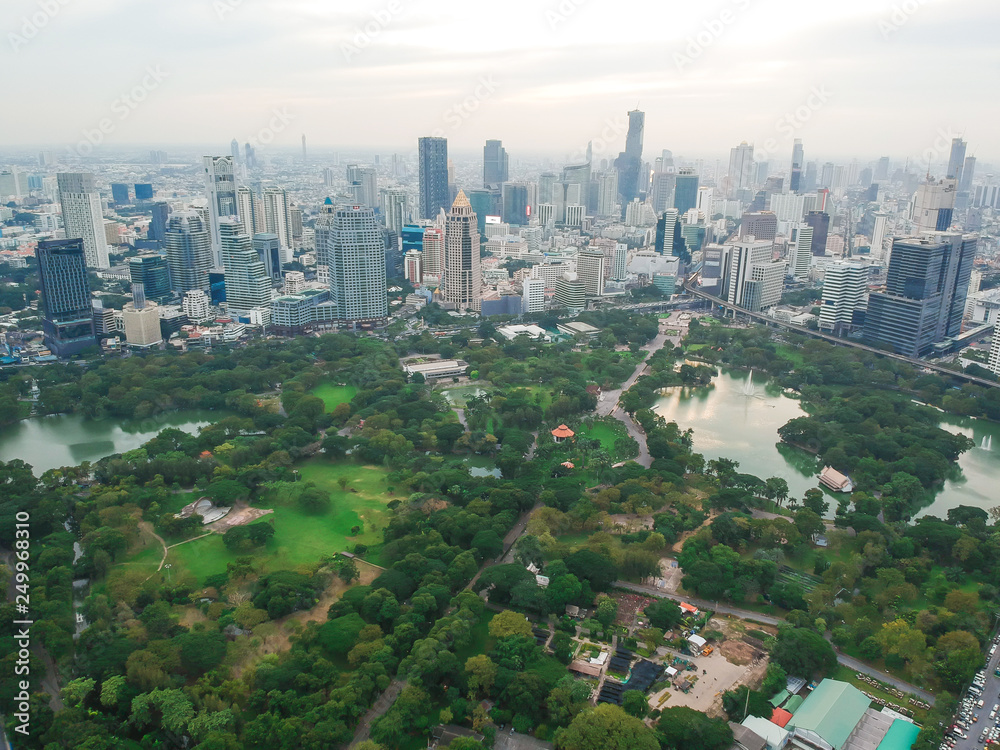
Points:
x=70 y=439
x=738 y=418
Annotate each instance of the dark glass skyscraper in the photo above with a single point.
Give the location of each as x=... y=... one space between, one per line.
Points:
x=495 y=164
x=143 y=191
x=485 y=203
x=433 y=157
x=686 y=191
x=820 y=223
x=629 y=161
x=925 y=293
x=798 y=162
x=68 y=318
x=151 y=271
x=957 y=161
x=158 y=224
x=515 y=204
x=119 y=193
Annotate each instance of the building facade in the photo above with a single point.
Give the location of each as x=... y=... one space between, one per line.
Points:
x=462 y=280
x=82 y=215
x=67 y=312
x=356 y=252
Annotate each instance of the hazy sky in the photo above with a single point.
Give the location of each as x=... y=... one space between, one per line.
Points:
x=850 y=77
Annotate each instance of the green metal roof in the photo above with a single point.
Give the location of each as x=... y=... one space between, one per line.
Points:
x=832 y=711
x=792 y=704
x=779 y=698
x=901 y=736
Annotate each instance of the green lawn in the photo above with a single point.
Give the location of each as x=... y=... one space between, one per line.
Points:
x=334 y=395
x=791 y=353
x=845 y=674
x=608 y=432
x=481 y=641
x=302 y=539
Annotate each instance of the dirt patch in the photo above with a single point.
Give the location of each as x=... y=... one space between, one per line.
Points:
x=679 y=544
x=190 y=615
x=738 y=652
x=240 y=515
x=434 y=505
x=632 y=523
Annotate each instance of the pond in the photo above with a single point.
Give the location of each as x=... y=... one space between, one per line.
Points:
x=70 y=439
x=738 y=417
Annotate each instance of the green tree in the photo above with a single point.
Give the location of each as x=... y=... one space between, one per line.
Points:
x=508 y=623
x=803 y=653
x=481 y=673
x=664 y=614
x=681 y=728
x=607 y=727
x=635 y=704
x=607 y=611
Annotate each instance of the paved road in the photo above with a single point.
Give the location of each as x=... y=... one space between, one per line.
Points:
x=991 y=696
x=636 y=433
x=745 y=614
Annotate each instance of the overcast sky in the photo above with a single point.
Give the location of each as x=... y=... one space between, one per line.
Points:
x=864 y=80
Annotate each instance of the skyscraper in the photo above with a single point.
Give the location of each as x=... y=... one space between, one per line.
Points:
x=880 y=230
x=957 y=160
x=363 y=183
x=934 y=205
x=820 y=223
x=761 y=224
x=968 y=175
x=152 y=272
x=800 y=254
x=278 y=220
x=485 y=202
x=607 y=193
x=248 y=287
x=667 y=227
x=395 y=211
x=188 y=249
x=67 y=314
x=433 y=250
x=755 y=279
x=463 y=281
x=629 y=161
x=798 y=162
x=515 y=203
x=686 y=190
x=741 y=168
x=220 y=187
x=495 y=164
x=924 y=298
x=844 y=295
x=234 y=150
x=82 y=216
x=120 y=193
x=433 y=158
x=250 y=209
x=356 y=251
x=590 y=270
x=267 y=245
x=158 y=224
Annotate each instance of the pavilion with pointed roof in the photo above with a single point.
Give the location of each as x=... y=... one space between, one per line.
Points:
x=562 y=433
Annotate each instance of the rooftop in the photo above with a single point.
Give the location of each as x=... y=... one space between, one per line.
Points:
x=832 y=711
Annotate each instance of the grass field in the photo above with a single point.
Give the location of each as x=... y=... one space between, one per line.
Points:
x=300 y=538
x=849 y=675
x=334 y=395
x=608 y=432
x=791 y=353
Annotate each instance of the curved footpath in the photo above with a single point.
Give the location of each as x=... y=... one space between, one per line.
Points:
x=745 y=614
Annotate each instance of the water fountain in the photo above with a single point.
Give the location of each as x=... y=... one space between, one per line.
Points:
x=748 y=388
x=987 y=444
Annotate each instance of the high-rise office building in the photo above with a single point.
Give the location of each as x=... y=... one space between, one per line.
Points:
x=433 y=249
x=144 y=192
x=120 y=193
x=546 y=187
x=741 y=168
x=363 y=184
x=755 y=279
x=485 y=203
x=762 y=224
x=629 y=161
x=957 y=160
x=934 y=205
x=800 y=255
x=433 y=158
x=152 y=272
x=667 y=228
x=248 y=286
x=158 y=224
x=968 y=175
x=278 y=220
x=413 y=267
x=220 y=187
x=532 y=296
x=662 y=191
x=395 y=211
x=463 y=280
x=82 y=216
x=882 y=170
x=845 y=291
x=686 y=190
x=141 y=320
x=515 y=204
x=607 y=193
x=570 y=292
x=925 y=293
x=798 y=162
x=820 y=223
x=880 y=231
x=268 y=248
x=67 y=313
x=234 y=150
x=590 y=270
x=827 y=175
x=188 y=247
x=495 y=164
x=357 y=267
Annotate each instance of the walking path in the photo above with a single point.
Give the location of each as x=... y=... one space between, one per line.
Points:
x=380 y=706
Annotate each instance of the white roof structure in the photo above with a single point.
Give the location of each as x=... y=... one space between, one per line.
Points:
x=697 y=640
x=773 y=735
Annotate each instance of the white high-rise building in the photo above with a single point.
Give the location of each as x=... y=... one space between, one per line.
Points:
x=188 y=248
x=741 y=168
x=277 y=219
x=395 y=212
x=607 y=193
x=357 y=268
x=324 y=223
x=879 y=234
x=251 y=211
x=619 y=264
x=83 y=217
x=532 y=296
x=934 y=204
x=220 y=187
x=800 y=255
x=248 y=287
x=570 y=292
x=755 y=279
x=845 y=291
x=975 y=284
x=788 y=206
x=463 y=280
x=295 y=282
x=994 y=361
x=574 y=215
x=363 y=183
x=590 y=270
x=197 y=306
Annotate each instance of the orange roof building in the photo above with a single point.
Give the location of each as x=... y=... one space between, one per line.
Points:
x=781 y=717
x=562 y=432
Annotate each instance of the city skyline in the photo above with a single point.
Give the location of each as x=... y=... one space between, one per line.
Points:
x=759 y=61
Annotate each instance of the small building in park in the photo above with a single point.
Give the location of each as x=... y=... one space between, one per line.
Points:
x=562 y=433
